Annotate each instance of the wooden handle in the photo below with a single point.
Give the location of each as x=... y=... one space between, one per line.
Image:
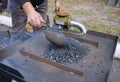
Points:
x=29 y=28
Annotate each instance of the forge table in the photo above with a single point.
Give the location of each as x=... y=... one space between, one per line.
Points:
x=94 y=67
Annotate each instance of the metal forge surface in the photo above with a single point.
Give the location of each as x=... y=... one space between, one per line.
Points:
x=92 y=68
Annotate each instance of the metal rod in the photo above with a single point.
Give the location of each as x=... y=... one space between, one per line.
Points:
x=61 y=66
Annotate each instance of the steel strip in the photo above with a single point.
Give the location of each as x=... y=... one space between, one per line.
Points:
x=61 y=66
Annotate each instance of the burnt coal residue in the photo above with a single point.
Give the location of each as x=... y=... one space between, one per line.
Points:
x=72 y=53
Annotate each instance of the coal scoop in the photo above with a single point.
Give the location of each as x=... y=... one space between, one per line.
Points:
x=62 y=23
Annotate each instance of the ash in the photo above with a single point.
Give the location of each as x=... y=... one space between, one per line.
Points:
x=72 y=53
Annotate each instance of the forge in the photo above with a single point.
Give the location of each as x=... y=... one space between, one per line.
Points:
x=31 y=61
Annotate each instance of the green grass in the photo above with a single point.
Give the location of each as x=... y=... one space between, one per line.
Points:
x=73 y=7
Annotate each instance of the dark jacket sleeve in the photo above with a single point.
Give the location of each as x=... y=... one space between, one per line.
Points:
x=21 y=2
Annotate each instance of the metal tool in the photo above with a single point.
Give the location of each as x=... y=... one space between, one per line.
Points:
x=62 y=23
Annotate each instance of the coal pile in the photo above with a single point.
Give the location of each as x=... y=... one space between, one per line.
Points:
x=72 y=53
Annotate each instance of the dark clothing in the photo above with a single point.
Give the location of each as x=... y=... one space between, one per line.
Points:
x=34 y=2
x=4 y=3
x=19 y=18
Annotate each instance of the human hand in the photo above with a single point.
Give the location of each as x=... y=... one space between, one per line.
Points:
x=57 y=6
x=35 y=19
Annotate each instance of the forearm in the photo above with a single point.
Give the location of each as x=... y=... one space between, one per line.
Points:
x=33 y=17
x=28 y=8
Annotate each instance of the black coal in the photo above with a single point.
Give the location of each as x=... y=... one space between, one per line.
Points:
x=72 y=53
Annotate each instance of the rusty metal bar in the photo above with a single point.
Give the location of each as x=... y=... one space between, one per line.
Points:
x=61 y=66
x=103 y=35
x=94 y=43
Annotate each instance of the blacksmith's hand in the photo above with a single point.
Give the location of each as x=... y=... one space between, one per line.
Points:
x=57 y=6
x=35 y=19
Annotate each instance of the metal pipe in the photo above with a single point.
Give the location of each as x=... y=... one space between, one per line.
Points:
x=80 y=26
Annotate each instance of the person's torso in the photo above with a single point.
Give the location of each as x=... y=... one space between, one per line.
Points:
x=36 y=2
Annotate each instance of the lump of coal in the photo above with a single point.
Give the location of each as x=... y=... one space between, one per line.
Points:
x=72 y=53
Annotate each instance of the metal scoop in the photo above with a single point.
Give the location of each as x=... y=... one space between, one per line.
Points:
x=56 y=38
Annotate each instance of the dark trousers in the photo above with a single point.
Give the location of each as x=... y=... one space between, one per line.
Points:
x=19 y=17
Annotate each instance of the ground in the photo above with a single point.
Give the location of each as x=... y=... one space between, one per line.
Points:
x=94 y=14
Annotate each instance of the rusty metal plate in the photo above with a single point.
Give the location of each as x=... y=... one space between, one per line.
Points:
x=95 y=66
